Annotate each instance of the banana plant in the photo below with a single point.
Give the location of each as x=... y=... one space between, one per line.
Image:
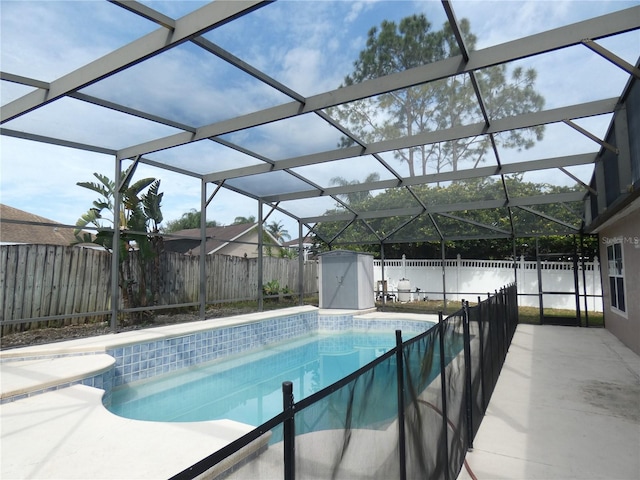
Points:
x=139 y=217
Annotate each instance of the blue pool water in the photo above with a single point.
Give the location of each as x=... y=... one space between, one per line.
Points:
x=249 y=389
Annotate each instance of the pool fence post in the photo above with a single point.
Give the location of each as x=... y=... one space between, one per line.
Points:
x=481 y=334
x=289 y=431
x=401 y=431
x=492 y=341
x=501 y=334
x=467 y=372
x=443 y=388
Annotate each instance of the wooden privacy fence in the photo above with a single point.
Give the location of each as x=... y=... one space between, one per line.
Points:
x=48 y=280
x=45 y=280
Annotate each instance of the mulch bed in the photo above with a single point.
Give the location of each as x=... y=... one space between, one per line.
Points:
x=41 y=336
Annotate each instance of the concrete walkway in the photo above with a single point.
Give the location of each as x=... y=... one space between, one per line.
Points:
x=566 y=406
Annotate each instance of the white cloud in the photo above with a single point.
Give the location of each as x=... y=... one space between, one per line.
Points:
x=46 y=40
x=82 y=122
x=42 y=178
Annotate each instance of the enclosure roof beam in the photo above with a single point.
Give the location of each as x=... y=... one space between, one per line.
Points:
x=130 y=111
x=455 y=207
x=591 y=136
x=168 y=22
x=473 y=222
x=612 y=57
x=398 y=228
x=19 y=79
x=525 y=120
x=479 y=172
x=548 y=217
x=191 y=25
x=569 y=35
x=170 y=168
x=577 y=180
x=56 y=141
x=146 y=12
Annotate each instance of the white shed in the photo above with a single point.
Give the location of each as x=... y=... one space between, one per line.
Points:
x=346 y=280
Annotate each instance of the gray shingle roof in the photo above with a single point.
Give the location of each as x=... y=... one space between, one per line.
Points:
x=48 y=232
x=217 y=237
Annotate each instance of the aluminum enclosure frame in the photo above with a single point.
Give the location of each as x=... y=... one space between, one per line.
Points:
x=191 y=28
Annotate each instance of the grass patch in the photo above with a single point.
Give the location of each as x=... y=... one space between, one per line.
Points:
x=251 y=306
x=529 y=315
x=428 y=306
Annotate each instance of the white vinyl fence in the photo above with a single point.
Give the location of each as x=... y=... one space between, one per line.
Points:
x=468 y=279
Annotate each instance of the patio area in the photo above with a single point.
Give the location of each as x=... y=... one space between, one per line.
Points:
x=566 y=406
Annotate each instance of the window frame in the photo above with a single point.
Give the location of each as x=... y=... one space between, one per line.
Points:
x=616 y=276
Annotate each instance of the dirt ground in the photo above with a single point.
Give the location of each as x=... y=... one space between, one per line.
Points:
x=50 y=335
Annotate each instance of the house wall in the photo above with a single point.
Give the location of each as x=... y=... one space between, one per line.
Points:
x=250 y=249
x=239 y=250
x=625 y=326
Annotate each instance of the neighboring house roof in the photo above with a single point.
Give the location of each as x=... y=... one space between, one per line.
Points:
x=294 y=243
x=29 y=231
x=217 y=238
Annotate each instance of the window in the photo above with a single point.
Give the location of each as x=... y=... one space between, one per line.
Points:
x=616 y=276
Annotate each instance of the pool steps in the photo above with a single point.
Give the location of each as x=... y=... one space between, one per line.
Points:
x=22 y=379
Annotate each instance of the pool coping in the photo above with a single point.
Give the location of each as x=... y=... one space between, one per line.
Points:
x=32 y=370
x=109 y=341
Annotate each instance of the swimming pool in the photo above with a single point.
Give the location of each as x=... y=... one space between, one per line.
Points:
x=248 y=389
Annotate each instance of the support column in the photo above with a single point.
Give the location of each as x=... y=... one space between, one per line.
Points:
x=115 y=251
x=515 y=260
x=576 y=281
x=444 y=276
x=584 y=280
x=301 y=264
x=260 y=257
x=539 y=269
x=203 y=253
x=384 y=290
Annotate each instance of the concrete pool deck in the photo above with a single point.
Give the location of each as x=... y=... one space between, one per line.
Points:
x=68 y=434
x=566 y=406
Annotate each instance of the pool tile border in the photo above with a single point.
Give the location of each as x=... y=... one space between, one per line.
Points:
x=144 y=360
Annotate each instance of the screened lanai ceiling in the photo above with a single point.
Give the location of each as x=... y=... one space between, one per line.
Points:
x=263 y=99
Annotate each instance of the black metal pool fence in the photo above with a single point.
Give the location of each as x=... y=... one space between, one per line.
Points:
x=410 y=414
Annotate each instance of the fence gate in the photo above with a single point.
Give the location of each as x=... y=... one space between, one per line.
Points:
x=547 y=287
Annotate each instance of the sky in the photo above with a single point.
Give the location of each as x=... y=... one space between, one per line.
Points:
x=307 y=46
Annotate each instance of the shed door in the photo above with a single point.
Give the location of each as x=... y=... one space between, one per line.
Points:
x=339 y=282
